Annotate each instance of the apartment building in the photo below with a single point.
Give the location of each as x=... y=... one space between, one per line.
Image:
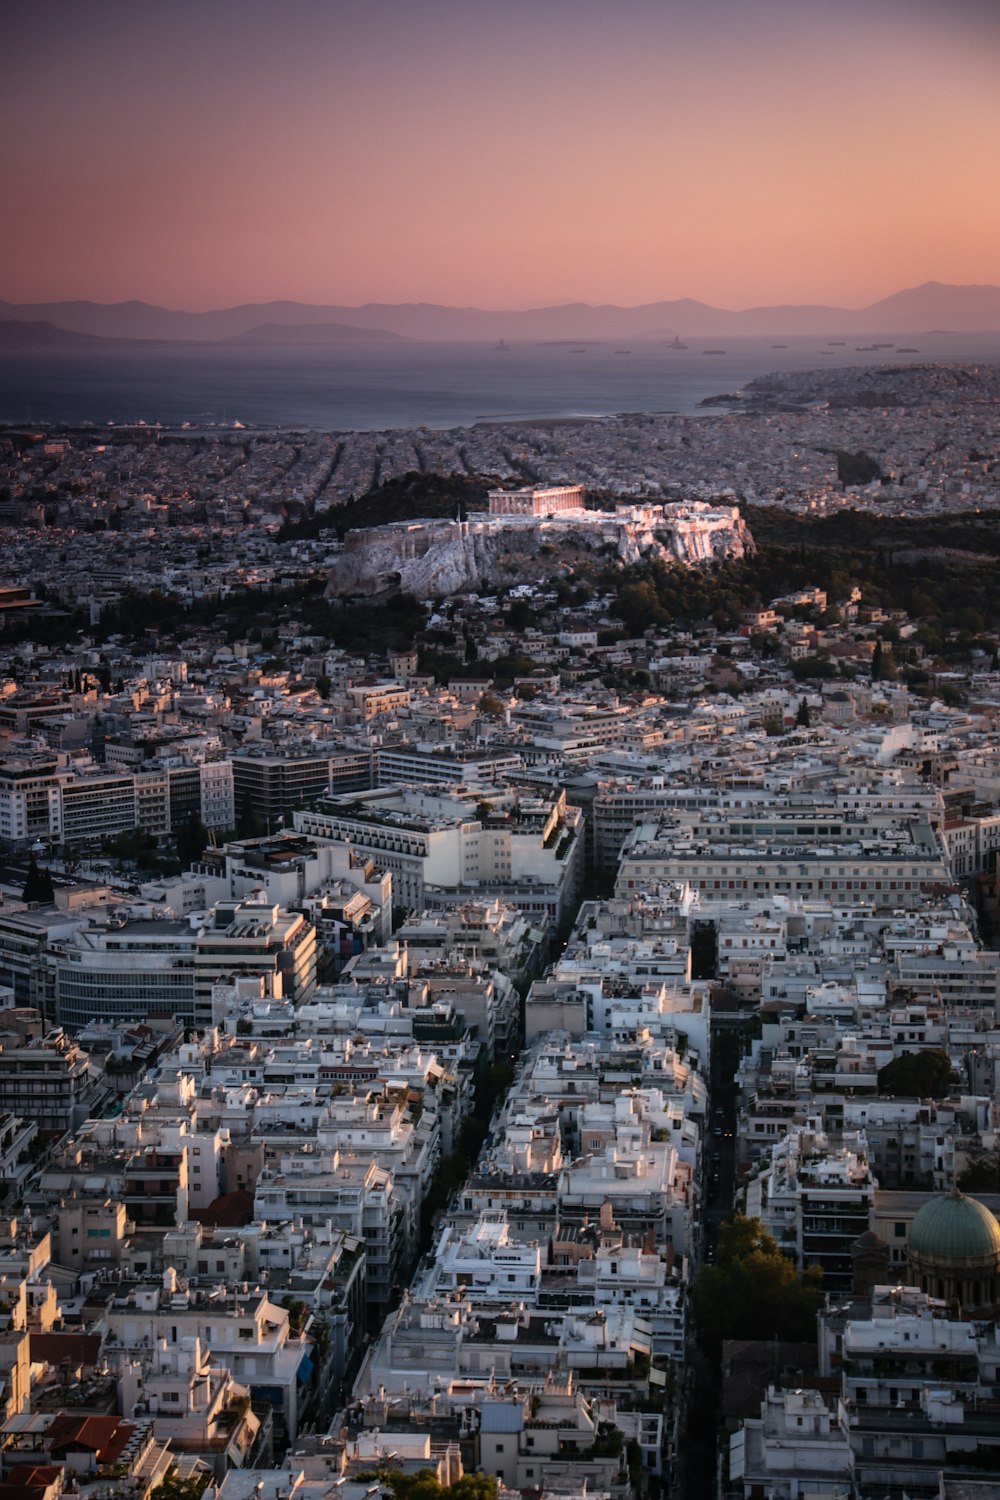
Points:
x=268 y=784
x=83 y=803
x=49 y=1081
x=444 y=848
x=406 y=764
x=357 y=1196
x=798 y=855
x=248 y=1334
x=817 y=1198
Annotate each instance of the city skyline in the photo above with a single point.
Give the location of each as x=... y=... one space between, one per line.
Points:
x=827 y=152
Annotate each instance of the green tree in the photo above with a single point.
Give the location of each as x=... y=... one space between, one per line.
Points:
x=803 y=718
x=754 y=1291
x=424 y=1485
x=981 y=1174
x=190 y=839
x=856 y=468
x=638 y=606
x=173 y=1487
x=298 y=1314
x=520 y=615
x=926 y=1074
x=813 y=667
x=38 y=886
x=473 y=1487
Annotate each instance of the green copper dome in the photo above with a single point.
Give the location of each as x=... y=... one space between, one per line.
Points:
x=955 y=1230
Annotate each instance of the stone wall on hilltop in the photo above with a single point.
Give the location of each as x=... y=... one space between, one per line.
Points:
x=437 y=558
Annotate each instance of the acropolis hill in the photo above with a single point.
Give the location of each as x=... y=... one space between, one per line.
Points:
x=432 y=558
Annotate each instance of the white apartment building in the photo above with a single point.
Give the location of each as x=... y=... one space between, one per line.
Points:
x=450 y=848
x=421 y=764
x=357 y=1196
x=797 y=1449
x=84 y=803
x=485 y=1263
x=140 y=963
x=801 y=857
x=246 y=1332
x=816 y=1198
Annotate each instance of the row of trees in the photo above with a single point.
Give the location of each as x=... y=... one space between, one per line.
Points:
x=753 y=1291
x=425 y=1485
x=953 y=589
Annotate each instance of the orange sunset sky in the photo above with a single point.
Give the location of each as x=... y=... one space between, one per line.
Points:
x=502 y=153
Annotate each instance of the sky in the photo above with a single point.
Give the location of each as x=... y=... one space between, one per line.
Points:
x=498 y=153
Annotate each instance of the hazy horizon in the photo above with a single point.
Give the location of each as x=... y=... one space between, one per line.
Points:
x=543 y=152
x=277 y=298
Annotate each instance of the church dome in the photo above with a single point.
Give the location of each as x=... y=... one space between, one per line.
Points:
x=955 y=1231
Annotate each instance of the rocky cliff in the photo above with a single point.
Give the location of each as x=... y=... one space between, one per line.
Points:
x=436 y=558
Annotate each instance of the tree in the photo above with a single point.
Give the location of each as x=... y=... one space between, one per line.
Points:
x=926 y=1074
x=813 y=666
x=981 y=1174
x=473 y=1487
x=520 y=615
x=298 y=1314
x=38 y=886
x=877 y=662
x=754 y=1291
x=856 y=468
x=191 y=839
x=173 y=1487
x=637 y=604
x=425 y=1485
x=803 y=718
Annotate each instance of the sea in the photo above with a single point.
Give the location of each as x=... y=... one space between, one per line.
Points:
x=411 y=385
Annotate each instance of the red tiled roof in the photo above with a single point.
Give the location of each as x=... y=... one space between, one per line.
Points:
x=30 y=1483
x=228 y=1211
x=106 y=1437
x=54 y=1348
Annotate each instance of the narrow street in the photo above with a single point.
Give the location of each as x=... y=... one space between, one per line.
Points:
x=697 y=1459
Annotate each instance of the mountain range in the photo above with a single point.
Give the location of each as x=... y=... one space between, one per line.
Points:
x=934 y=305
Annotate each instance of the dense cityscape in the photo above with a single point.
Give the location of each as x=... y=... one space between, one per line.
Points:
x=500 y=954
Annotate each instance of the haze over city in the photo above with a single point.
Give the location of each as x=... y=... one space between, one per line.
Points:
x=506 y=156
x=500 y=750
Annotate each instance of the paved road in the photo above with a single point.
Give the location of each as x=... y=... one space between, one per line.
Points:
x=697 y=1457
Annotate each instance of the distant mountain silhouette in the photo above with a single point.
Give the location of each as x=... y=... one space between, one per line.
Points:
x=316 y=334
x=917 y=310
x=937 y=305
x=40 y=334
